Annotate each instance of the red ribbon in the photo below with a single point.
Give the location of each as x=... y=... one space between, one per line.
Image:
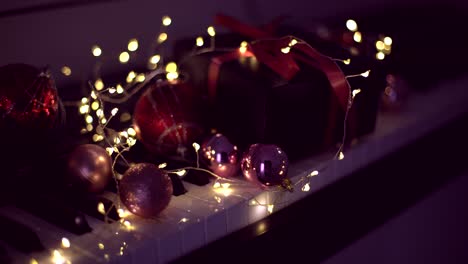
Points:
x=281 y=55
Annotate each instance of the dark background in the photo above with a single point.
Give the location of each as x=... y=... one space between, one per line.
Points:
x=430 y=229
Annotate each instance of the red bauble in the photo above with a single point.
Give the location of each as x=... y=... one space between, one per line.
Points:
x=145 y=190
x=165 y=118
x=89 y=168
x=28 y=97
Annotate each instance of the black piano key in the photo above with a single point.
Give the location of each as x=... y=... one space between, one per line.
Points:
x=19 y=236
x=89 y=206
x=55 y=211
x=196 y=177
x=177 y=185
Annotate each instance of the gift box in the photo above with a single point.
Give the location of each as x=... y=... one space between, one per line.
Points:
x=254 y=99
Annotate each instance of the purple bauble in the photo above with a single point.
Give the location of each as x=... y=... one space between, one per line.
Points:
x=220 y=156
x=145 y=190
x=265 y=164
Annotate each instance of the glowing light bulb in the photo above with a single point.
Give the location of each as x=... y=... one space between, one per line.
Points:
x=270 y=208
x=286 y=50
x=217 y=185
x=184 y=220
x=357 y=36
x=162 y=37
x=111 y=90
x=155 y=59
x=84 y=100
x=103 y=121
x=66 y=71
x=243 y=47
x=89 y=127
x=380 y=55
x=131 y=75
x=65 y=242
x=98 y=84
x=84 y=109
x=379 y=45
x=199 y=42
x=171 y=67
x=101 y=209
x=95 y=105
x=57 y=258
x=101 y=246
x=196 y=146
x=132 y=45
x=181 y=172
x=93 y=95
x=253 y=202
x=293 y=42
x=131 y=131
x=306 y=187
x=341 y=156
x=127 y=224
x=172 y=76
x=347 y=61
x=33 y=261
x=124 y=57
x=166 y=21
x=365 y=74
x=120 y=89
x=89 y=119
x=114 y=111
x=351 y=25
x=355 y=92
x=388 y=41
x=211 y=31
x=110 y=150
x=314 y=173
x=162 y=165
x=140 y=77
x=96 y=50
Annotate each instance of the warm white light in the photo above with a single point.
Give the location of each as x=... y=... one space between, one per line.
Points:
x=140 y=77
x=112 y=90
x=171 y=67
x=96 y=51
x=66 y=71
x=131 y=75
x=341 y=156
x=380 y=55
x=347 y=61
x=365 y=74
x=225 y=185
x=162 y=37
x=110 y=150
x=131 y=131
x=127 y=224
x=65 y=242
x=84 y=109
x=101 y=209
x=211 y=31
x=89 y=127
x=120 y=89
x=357 y=36
x=155 y=59
x=132 y=45
x=181 y=172
x=292 y=43
x=101 y=246
x=270 y=208
x=123 y=213
x=355 y=92
x=93 y=95
x=95 y=105
x=172 y=76
x=184 y=220
x=162 y=165
x=306 y=187
x=379 y=45
x=166 y=21
x=89 y=119
x=216 y=185
x=33 y=261
x=124 y=57
x=314 y=173
x=99 y=113
x=99 y=85
x=103 y=121
x=114 y=111
x=196 y=146
x=286 y=50
x=388 y=41
x=57 y=258
x=199 y=42
x=84 y=100
x=253 y=202
x=351 y=25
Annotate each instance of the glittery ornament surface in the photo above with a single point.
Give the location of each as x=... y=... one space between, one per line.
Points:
x=28 y=97
x=145 y=190
x=221 y=156
x=89 y=168
x=265 y=164
x=164 y=118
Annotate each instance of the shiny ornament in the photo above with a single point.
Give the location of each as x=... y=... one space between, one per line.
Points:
x=89 y=168
x=165 y=118
x=220 y=156
x=28 y=97
x=266 y=165
x=145 y=190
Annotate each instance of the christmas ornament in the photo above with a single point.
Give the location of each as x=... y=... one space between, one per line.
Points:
x=266 y=165
x=220 y=156
x=89 y=168
x=145 y=190
x=28 y=97
x=165 y=119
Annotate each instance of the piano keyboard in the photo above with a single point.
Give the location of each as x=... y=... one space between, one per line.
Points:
x=205 y=214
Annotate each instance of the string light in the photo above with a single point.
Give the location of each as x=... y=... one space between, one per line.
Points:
x=379 y=45
x=93 y=95
x=89 y=119
x=155 y=59
x=101 y=246
x=292 y=43
x=286 y=50
x=114 y=111
x=65 y=242
x=211 y=31
x=124 y=57
x=306 y=187
x=84 y=109
x=184 y=220
x=347 y=61
x=162 y=165
x=181 y=173
x=131 y=132
x=57 y=258
x=243 y=47
x=199 y=42
x=140 y=77
x=162 y=37
x=95 y=106
x=33 y=261
x=365 y=74
x=357 y=36
x=351 y=25
x=341 y=156
x=166 y=21
x=120 y=89
x=132 y=45
x=131 y=75
x=96 y=50
x=101 y=209
x=196 y=146
x=98 y=84
x=111 y=90
x=172 y=76
x=171 y=67
x=66 y=71
x=355 y=92
x=388 y=41
x=314 y=173
x=380 y=55
x=270 y=208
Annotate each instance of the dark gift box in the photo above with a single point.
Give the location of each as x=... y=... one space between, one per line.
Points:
x=262 y=99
